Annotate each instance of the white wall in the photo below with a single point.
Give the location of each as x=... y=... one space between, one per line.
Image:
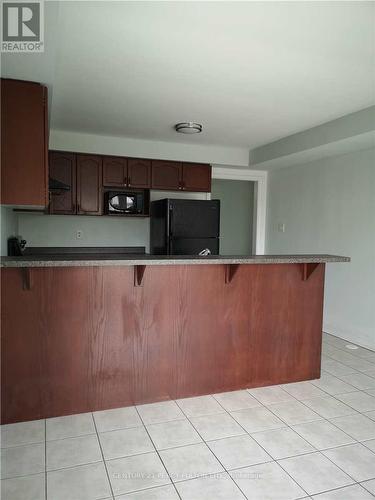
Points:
x=328 y=206
x=60 y=230
x=127 y=146
x=8 y=226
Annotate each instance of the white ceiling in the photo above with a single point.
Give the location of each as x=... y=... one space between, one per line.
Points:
x=250 y=72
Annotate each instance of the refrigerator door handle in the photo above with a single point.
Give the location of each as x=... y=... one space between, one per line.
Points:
x=170 y=222
x=170 y=231
x=205 y=252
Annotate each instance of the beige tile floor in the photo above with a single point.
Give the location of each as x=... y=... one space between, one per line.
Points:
x=304 y=440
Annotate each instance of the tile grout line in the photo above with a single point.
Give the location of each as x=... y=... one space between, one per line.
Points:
x=322 y=418
x=273 y=460
x=225 y=411
x=317 y=450
x=364 y=487
x=222 y=465
x=372 y=364
x=357 y=372
x=328 y=394
x=335 y=337
x=347 y=342
x=101 y=451
x=334 y=447
x=330 y=420
x=157 y=451
x=78 y=465
x=313 y=452
x=245 y=432
x=330 y=354
x=21 y=445
x=45 y=460
x=350 y=415
x=346 y=382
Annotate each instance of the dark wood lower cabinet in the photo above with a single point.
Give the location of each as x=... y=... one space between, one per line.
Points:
x=84 y=339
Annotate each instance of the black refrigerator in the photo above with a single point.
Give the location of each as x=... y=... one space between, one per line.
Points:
x=184 y=227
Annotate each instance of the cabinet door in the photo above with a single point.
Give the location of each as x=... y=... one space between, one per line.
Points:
x=196 y=177
x=89 y=181
x=114 y=171
x=139 y=173
x=24 y=143
x=166 y=175
x=62 y=167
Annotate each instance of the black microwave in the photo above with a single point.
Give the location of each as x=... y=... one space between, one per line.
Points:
x=124 y=202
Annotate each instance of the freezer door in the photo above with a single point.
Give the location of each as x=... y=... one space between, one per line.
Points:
x=194 y=218
x=192 y=246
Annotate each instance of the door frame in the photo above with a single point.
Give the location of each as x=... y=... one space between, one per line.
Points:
x=259 y=177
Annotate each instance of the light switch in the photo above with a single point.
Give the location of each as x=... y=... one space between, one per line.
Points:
x=281 y=227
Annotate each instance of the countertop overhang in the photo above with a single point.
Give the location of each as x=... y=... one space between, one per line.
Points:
x=163 y=260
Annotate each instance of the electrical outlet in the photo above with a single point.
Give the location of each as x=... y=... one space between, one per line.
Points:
x=281 y=227
x=79 y=234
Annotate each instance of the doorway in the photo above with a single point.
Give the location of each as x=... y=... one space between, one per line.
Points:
x=236 y=215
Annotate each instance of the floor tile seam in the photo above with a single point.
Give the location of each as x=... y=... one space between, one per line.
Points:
x=317 y=451
x=346 y=365
x=346 y=382
x=102 y=453
x=219 y=461
x=333 y=423
x=345 y=349
x=157 y=451
x=266 y=451
x=364 y=487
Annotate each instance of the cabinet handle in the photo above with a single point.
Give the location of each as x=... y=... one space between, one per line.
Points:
x=125 y=180
x=129 y=181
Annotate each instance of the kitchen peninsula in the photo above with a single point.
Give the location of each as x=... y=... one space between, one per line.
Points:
x=83 y=333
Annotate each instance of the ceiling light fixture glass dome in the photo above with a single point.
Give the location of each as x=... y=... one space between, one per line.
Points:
x=188 y=128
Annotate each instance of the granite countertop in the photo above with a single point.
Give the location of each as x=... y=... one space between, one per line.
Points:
x=83 y=260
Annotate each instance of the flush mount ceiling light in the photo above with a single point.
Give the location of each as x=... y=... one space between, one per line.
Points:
x=188 y=128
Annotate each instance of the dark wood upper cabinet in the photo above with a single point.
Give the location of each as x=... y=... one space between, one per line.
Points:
x=139 y=173
x=126 y=172
x=62 y=167
x=166 y=175
x=114 y=171
x=24 y=143
x=196 y=177
x=173 y=175
x=90 y=176
x=89 y=184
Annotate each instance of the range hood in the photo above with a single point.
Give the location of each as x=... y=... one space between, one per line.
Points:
x=55 y=185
